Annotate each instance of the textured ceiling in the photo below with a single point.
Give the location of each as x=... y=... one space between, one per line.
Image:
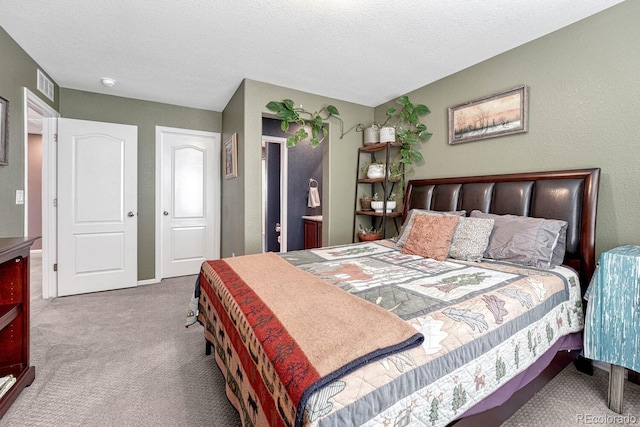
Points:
x=195 y=53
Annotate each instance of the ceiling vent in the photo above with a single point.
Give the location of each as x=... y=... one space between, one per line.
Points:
x=45 y=85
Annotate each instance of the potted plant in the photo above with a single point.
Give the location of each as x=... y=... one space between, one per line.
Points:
x=367 y=234
x=396 y=171
x=398 y=197
x=289 y=114
x=377 y=204
x=408 y=129
x=373 y=170
x=376 y=170
x=365 y=202
x=391 y=202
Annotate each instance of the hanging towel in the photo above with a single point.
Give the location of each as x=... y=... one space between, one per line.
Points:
x=314 y=195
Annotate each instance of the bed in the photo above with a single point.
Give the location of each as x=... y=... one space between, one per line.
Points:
x=399 y=332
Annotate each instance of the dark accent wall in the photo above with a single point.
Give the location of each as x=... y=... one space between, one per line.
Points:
x=305 y=162
x=272 y=196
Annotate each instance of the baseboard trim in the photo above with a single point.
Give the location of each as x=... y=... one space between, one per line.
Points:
x=148 y=282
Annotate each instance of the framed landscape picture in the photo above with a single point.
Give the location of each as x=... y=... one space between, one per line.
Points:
x=504 y=113
x=4 y=132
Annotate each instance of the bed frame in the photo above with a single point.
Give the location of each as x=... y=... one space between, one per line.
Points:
x=569 y=195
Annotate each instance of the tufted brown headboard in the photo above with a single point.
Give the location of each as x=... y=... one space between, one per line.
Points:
x=569 y=195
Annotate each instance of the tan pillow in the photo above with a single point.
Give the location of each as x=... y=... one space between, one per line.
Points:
x=406 y=227
x=430 y=236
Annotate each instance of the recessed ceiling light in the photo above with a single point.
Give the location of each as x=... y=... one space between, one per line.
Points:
x=108 y=82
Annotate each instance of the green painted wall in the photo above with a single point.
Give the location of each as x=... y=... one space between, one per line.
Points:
x=233 y=190
x=17 y=70
x=584 y=99
x=339 y=165
x=146 y=115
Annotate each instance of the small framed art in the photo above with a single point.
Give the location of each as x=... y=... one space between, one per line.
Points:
x=4 y=131
x=230 y=154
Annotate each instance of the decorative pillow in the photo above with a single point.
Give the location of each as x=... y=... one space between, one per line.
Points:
x=406 y=227
x=431 y=236
x=471 y=238
x=528 y=241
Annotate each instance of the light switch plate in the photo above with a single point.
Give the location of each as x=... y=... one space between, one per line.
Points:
x=19 y=197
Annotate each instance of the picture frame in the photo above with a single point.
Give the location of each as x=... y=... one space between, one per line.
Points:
x=4 y=131
x=230 y=153
x=501 y=114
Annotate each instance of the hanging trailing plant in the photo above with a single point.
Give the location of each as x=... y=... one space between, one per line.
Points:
x=409 y=131
x=288 y=114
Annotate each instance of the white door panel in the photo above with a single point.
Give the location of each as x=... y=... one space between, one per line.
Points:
x=111 y=258
x=189 y=243
x=189 y=173
x=189 y=167
x=93 y=154
x=97 y=205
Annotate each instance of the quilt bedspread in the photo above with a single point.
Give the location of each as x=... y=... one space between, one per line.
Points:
x=266 y=322
x=483 y=323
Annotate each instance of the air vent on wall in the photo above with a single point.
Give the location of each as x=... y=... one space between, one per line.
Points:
x=45 y=85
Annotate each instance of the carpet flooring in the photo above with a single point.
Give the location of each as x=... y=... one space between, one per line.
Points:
x=124 y=358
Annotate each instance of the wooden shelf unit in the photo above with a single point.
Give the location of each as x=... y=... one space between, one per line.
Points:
x=14 y=316
x=386 y=185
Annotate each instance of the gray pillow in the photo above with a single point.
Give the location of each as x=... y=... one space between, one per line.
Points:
x=406 y=227
x=535 y=242
x=471 y=238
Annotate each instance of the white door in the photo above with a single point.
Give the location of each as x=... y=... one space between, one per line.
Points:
x=189 y=199
x=97 y=206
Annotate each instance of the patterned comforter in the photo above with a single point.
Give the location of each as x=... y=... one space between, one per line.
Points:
x=483 y=324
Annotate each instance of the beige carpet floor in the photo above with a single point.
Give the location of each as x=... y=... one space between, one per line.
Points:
x=119 y=358
x=575 y=399
x=124 y=358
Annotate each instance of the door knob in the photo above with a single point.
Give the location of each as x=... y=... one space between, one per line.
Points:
x=165 y=213
x=278 y=227
x=130 y=214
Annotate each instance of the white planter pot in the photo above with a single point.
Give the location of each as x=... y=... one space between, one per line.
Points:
x=387 y=134
x=378 y=205
x=375 y=171
x=371 y=135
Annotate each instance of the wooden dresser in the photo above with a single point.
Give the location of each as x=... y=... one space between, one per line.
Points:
x=14 y=317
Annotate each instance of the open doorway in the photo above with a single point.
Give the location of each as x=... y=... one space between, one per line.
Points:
x=288 y=176
x=274 y=194
x=33 y=186
x=40 y=121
